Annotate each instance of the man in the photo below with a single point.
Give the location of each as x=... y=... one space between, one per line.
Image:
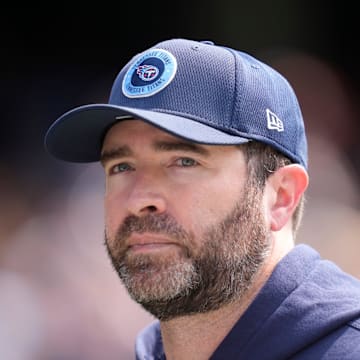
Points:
x=205 y=157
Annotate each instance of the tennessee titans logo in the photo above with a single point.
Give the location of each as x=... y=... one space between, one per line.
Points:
x=147 y=72
x=150 y=73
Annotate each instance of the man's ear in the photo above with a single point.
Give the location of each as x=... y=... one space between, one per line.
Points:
x=284 y=189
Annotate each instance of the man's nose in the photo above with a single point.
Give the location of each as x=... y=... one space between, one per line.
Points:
x=147 y=195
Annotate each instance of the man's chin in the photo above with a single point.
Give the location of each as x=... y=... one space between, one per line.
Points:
x=157 y=279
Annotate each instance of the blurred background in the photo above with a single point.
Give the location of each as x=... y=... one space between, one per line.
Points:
x=59 y=298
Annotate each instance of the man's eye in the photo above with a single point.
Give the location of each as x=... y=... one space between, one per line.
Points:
x=186 y=162
x=119 y=168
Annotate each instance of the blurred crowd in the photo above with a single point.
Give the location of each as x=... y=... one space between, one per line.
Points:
x=60 y=298
x=330 y=105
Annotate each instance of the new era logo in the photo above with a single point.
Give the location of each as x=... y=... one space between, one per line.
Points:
x=273 y=122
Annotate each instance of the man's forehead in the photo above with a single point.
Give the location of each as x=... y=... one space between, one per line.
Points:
x=121 y=138
x=126 y=131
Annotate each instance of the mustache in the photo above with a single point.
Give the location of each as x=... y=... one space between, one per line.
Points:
x=155 y=223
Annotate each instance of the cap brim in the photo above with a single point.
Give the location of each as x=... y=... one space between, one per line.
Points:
x=77 y=136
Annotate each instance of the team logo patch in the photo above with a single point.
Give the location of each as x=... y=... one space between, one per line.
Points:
x=149 y=74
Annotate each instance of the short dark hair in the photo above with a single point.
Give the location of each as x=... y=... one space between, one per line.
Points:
x=262 y=161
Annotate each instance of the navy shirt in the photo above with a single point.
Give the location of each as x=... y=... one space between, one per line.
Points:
x=308 y=309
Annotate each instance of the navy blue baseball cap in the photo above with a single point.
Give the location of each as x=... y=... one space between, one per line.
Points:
x=195 y=90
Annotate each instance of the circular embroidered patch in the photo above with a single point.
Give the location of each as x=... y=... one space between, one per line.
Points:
x=149 y=74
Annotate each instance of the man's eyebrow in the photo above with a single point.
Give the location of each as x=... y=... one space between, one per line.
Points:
x=180 y=145
x=122 y=151
x=115 y=153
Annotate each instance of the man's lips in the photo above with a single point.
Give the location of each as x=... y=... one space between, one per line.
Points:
x=148 y=242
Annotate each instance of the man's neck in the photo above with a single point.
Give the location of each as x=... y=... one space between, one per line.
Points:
x=197 y=336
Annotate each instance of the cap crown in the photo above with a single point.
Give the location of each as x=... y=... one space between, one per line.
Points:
x=220 y=87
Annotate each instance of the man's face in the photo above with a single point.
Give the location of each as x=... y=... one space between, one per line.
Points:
x=184 y=227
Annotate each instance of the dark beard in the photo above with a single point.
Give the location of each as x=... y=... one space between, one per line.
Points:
x=195 y=279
